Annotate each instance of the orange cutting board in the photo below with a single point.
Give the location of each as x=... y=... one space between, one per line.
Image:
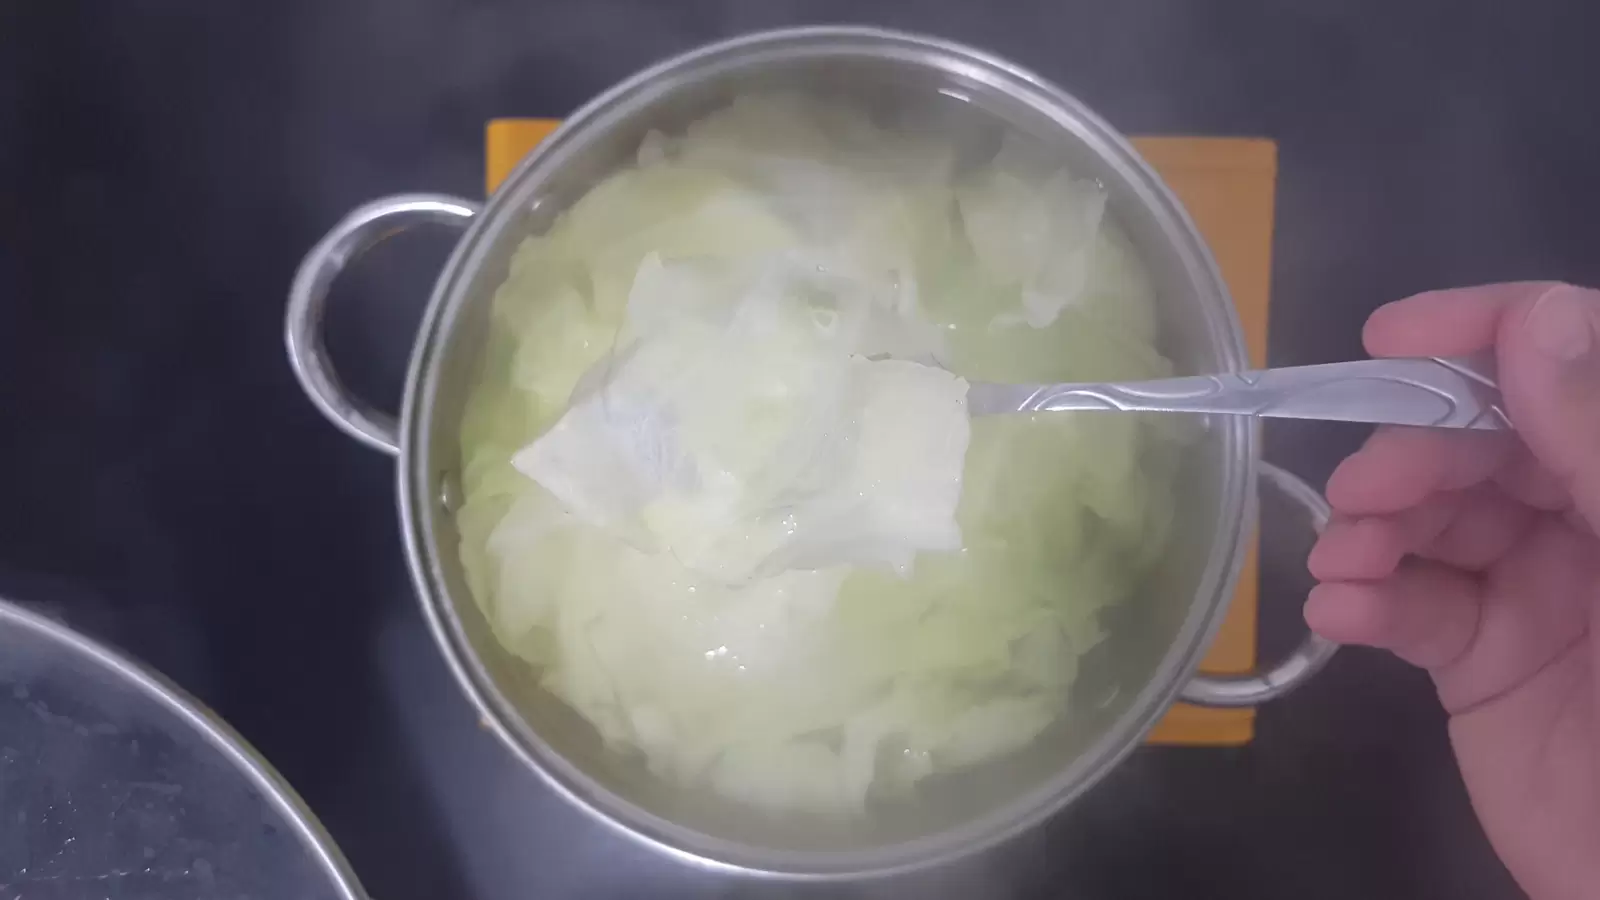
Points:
x=1228 y=186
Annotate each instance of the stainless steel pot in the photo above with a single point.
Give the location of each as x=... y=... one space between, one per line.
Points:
x=1155 y=641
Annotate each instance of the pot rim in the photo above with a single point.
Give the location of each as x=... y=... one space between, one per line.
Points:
x=716 y=854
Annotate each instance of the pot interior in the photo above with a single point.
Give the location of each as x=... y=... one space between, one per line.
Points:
x=1153 y=639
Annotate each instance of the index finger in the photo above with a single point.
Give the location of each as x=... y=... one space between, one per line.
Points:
x=1445 y=323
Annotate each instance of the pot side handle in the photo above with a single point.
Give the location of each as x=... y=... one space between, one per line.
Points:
x=1300 y=665
x=365 y=226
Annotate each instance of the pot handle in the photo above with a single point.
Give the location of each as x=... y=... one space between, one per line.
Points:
x=365 y=226
x=1306 y=660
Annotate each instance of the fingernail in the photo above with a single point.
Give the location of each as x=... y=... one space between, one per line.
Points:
x=1561 y=323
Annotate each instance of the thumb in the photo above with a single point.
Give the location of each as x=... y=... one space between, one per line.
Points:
x=1549 y=361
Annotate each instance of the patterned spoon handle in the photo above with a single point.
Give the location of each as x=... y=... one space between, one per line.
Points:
x=1431 y=392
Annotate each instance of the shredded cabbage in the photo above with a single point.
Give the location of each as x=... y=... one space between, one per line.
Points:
x=744 y=431
x=720 y=486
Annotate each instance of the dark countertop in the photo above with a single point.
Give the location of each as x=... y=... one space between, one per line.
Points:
x=165 y=485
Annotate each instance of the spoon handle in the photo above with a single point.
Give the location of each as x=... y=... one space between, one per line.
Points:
x=1439 y=393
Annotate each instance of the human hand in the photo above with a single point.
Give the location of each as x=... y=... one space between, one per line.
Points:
x=1474 y=556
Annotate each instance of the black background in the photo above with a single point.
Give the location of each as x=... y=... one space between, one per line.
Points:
x=163 y=482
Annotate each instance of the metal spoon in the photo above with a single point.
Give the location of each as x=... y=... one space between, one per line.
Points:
x=1439 y=393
